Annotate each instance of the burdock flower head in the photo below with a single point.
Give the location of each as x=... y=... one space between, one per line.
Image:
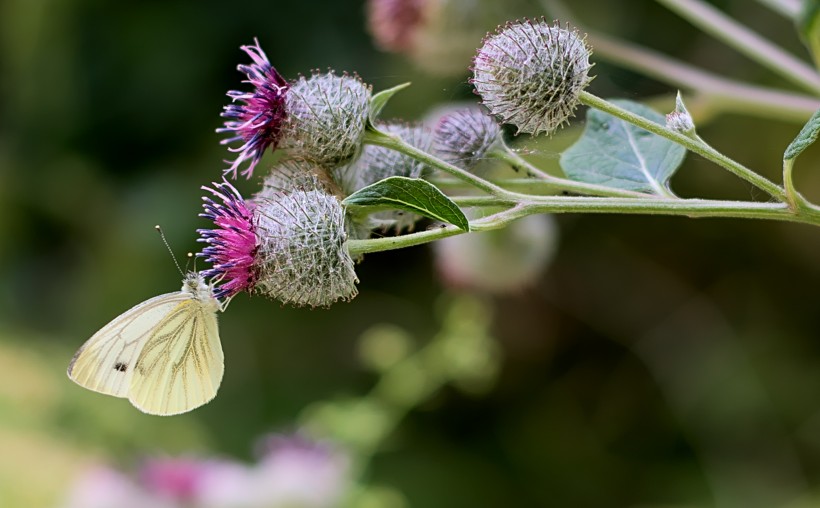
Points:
x=259 y=116
x=302 y=258
x=232 y=243
x=327 y=116
x=530 y=74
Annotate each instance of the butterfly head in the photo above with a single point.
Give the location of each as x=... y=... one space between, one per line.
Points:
x=195 y=285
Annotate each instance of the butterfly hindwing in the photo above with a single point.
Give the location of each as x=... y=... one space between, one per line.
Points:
x=106 y=361
x=181 y=364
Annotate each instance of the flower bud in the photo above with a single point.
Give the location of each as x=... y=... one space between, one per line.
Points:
x=302 y=255
x=464 y=136
x=680 y=120
x=327 y=116
x=530 y=74
x=498 y=261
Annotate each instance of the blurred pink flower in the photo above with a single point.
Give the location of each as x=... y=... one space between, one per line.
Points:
x=295 y=471
x=394 y=23
x=292 y=471
x=102 y=487
x=177 y=479
x=228 y=484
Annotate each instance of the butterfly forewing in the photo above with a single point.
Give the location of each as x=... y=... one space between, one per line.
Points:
x=181 y=364
x=106 y=361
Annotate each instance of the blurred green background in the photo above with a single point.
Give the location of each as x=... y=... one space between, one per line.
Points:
x=657 y=362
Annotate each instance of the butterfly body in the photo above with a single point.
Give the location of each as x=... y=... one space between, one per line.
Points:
x=163 y=354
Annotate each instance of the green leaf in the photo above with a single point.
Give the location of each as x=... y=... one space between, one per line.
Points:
x=808 y=135
x=808 y=26
x=411 y=194
x=618 y=154
x=379 y=101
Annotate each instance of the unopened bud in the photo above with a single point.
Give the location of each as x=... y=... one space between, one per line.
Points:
x=530 y=74
x=680 y=120
x=464 y=136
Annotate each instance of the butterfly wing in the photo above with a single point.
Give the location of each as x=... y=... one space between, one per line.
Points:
x=181 y=364
x=105 y=363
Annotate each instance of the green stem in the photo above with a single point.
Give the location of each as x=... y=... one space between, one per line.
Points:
x=695 y=145
x=797 y=202
x=476 y=201
x=788 y=183
x=505 y=154
x=693 y=208
x=732 y=33
x=394 y=142
x=519 y=185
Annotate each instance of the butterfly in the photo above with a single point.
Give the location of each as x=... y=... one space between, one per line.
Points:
x=163 y=354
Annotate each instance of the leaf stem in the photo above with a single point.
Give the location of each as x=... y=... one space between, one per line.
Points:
x=519 y=185
x=505 y=154
x=393 y=142
x=797 y=202
x=695 y=145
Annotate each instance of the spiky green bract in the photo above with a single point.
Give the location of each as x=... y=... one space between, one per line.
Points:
x=464 y=136
x=327 y=116
x=302 y=256
x=530 y=74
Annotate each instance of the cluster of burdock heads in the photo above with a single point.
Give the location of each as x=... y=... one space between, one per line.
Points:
x=289 y=240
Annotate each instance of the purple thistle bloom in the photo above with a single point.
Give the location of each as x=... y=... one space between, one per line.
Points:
x=232 y=243
x=175 y=479
x=258 y=121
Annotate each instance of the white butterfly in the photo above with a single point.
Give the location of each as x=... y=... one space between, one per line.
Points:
x=163 y=354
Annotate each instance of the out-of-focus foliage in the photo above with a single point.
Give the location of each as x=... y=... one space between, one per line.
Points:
x=657 y=362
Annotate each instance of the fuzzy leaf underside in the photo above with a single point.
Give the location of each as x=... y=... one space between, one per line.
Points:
x=617 y=154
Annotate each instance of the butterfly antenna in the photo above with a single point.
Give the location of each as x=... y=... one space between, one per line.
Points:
x=176 y=263
x=191 y=259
